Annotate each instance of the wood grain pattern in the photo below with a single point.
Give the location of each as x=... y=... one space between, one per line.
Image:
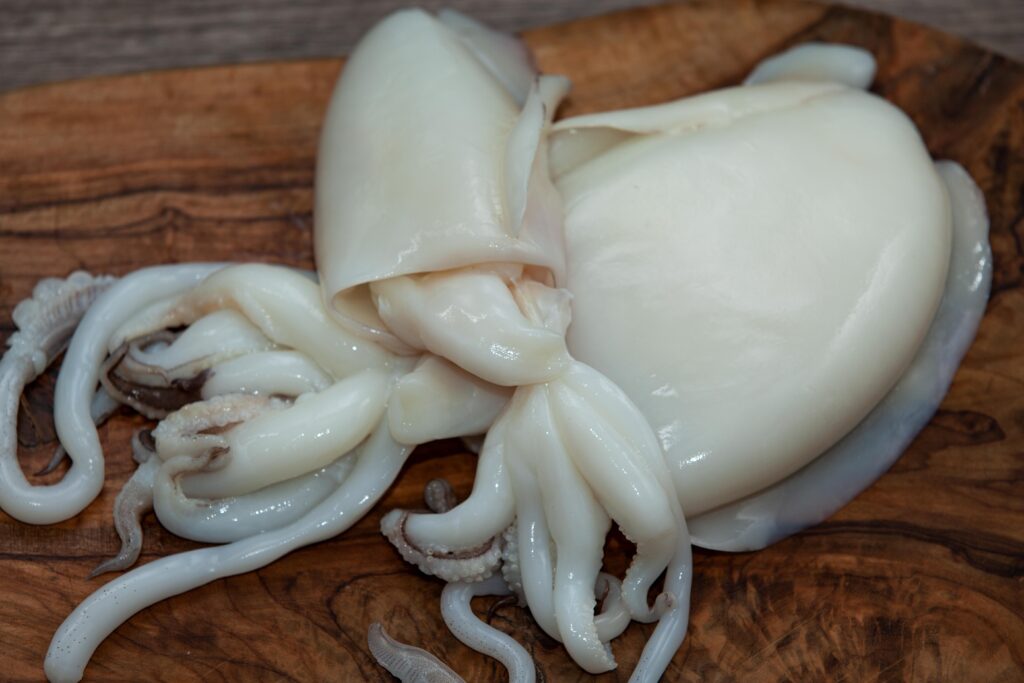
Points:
x=920 y=578
x=52 y=40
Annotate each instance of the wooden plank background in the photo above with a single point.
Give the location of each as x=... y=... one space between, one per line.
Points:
x=52 y=40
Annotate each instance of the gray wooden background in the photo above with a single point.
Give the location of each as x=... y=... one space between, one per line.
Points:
x=51 y=40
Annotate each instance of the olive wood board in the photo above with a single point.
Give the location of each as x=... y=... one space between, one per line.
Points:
x=919 y=578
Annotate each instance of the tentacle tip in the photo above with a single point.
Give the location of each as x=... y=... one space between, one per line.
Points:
x=376 y=633
x=406 y=662
x=55 y=460
x=602 y=664
x=391 y=524
x=439 y=496
x=474 y=564
x=664 y=603
x=112 y=564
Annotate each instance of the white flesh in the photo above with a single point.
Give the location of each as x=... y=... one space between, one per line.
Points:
x=756 y=286
x=452 y=154
x=822 y=487
x=277 y=445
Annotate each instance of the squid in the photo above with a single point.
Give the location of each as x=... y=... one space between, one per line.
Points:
x=796 y=219
x=708 y=322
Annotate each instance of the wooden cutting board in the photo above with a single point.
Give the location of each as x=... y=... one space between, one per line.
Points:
x=920 y=578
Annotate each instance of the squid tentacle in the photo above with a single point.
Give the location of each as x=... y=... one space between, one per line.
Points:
x=474 y=522
x=463 y=542
x=232 y=519
x=671 y=629
x=198 y=428
x=533 y=560
x=158 y=382
x=484 y=638
x=270 y=440
x=132 y=502
x=439 y=400
x=102 y=407
x=76 y=386
x=614 y=616
x=378 y=463
x=284 y=305
x=407 y=663
x=45 y=323
x=266 y=373
x=578 y=525
x=608 y=436
x=439 y=496
x=463 y=564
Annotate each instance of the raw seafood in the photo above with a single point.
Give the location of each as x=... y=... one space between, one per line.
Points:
x=529 y=304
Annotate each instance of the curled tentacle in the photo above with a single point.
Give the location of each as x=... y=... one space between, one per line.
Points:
x=133 y=501
x=463 y=543
x=199 y=428
x=102 y=407
x=484 y=638
x=45 y=323
x=269 y=441
x=407 y=663
x=47 y=320
x=153 y=400
x=215 y=337
x=671 y=629
x=464 y=564
x=76 y=387
x=477 y=520
x=510 y=569
x=614 y=616
x=162 y=371
x=232 y=519
x=378 y=462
